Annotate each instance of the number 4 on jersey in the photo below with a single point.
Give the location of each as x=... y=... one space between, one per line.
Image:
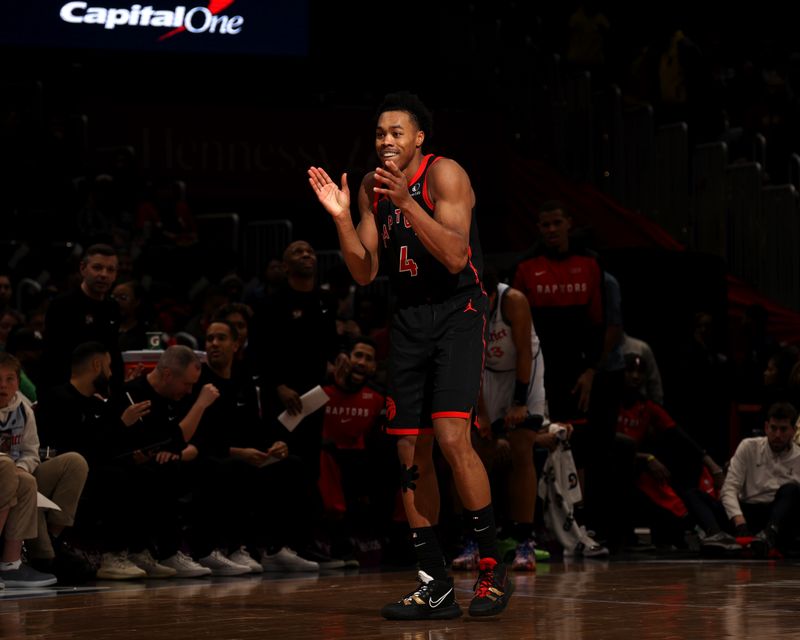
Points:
x=405 y=263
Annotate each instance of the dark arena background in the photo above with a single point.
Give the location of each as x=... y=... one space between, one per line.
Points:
x=669 y=131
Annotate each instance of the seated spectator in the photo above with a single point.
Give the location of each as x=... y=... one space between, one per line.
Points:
x=76 y=417
x=354 y=457
x=240 y=317
x=657 y=455
x=60 y=478
x=651 y=376
x=156 y=444
x=238 y=457
x=761 y=494
x=17 y=523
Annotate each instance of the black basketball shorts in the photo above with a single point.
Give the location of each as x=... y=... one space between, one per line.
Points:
x=436 y=362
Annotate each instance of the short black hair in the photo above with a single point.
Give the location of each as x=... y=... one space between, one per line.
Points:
x=782 y=411
x=84 y=352
x=361 y=339
x=552 y=205
x=99 y=249
x=217 y=320
x=412 y=105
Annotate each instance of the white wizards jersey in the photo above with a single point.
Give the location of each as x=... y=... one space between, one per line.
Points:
x=501 y=366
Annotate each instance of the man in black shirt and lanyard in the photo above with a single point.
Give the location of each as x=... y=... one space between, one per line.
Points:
x=83 y=315
x=418 y=210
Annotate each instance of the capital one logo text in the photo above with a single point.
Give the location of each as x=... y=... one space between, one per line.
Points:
x=181 y=18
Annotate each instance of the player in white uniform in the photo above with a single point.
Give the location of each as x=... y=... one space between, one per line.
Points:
x=511 y=410
x=513 y=378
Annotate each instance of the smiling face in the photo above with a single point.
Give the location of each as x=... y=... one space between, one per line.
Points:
x=362 y=364
x=397 y=138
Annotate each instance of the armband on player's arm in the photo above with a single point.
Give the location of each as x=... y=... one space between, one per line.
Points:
x=520 y=393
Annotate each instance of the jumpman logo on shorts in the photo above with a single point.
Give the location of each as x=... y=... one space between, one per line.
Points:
x=469 y=307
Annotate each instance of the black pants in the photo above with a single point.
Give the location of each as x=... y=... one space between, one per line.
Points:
x=783 y=513
x=234 y=504
x=134 y=507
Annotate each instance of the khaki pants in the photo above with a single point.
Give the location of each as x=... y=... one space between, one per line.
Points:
x=61 y=479
x=17 y=493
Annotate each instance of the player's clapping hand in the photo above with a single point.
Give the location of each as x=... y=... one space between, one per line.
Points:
x=335 y=200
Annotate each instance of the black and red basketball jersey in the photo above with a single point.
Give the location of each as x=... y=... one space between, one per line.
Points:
x=416 y=276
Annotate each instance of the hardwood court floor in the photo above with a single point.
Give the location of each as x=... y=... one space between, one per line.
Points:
x=664 y=599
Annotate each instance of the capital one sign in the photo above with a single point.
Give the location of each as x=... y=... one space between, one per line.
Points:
x=198 y=19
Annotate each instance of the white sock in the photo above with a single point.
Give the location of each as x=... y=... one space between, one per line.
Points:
x=10 y=566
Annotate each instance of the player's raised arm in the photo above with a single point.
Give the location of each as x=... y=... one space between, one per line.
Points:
x=359 y=246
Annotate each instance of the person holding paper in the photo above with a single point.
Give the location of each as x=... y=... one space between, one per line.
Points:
x=295 y=336
x=20 y=468
x=416 y=213
x=241 y=456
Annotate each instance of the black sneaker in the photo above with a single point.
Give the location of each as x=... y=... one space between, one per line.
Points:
x=27 y=577
x=492 y=589
x=324 y=561
x=72 y=566
x=764 y=543
x=432 y=600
